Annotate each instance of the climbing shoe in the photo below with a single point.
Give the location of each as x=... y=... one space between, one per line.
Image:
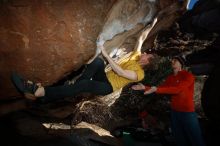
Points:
x=26 y=87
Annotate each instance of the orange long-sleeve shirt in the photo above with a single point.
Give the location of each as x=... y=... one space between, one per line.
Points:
x=181 y=89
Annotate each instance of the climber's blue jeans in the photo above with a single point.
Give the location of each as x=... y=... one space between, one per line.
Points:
x=93 y=80
x=186 y=129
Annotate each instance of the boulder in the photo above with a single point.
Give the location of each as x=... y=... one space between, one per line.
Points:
x=46 y=40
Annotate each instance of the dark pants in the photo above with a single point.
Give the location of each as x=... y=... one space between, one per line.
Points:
x=186 y=129
x=93 y=80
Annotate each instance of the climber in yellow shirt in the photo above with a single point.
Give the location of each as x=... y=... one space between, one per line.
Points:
x=94 y=79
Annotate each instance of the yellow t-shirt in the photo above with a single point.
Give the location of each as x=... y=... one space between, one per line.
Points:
x=130 y=63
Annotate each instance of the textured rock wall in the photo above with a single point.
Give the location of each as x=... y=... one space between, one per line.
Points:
x=44 y=40
x=125 y=19
x=128 y=18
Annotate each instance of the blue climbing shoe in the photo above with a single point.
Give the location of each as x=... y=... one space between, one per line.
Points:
x=26 y=87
